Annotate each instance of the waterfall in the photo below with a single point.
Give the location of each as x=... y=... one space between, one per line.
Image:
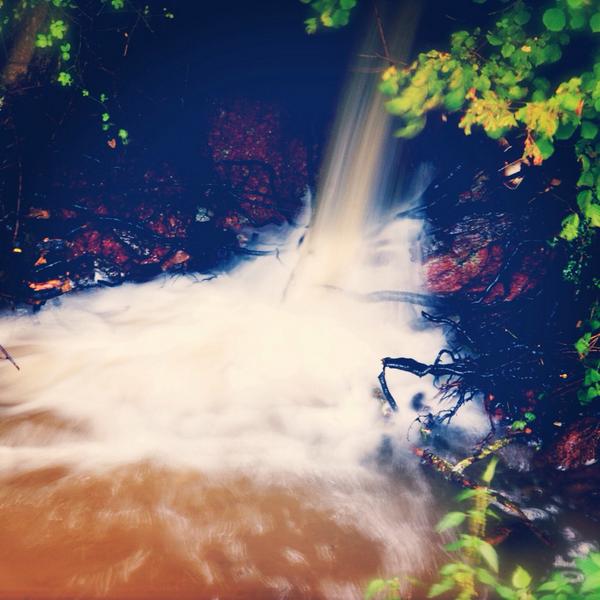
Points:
x=355 y=179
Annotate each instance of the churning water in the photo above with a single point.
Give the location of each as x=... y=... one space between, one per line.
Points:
x=221 y=438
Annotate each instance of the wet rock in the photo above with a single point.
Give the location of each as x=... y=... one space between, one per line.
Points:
x=134 y=220
x=579 y=446
x=475 y=256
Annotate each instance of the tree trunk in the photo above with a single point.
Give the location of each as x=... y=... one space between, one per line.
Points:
x=23 y=48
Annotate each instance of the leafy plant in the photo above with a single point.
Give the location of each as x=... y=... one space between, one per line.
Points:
x=53 y=38
x=497 y=79
x=330 y=13
x=587 y=349
x=476 y=570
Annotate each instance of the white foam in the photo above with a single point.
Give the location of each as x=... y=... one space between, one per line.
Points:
x=215 y=374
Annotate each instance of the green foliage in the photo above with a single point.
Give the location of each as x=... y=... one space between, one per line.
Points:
x=475 y=572
x=492 y=77
x=53 y=40
x=452 y=519
x=555 y=19
x=330 y=13
x=380 y=589
x=570 y=227
x=64 y=79
x=586 y=347
x=56 y=31
x=65 y=51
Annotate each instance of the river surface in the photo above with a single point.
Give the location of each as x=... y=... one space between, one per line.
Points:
x=207 y=437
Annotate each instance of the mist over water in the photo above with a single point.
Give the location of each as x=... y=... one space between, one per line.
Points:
x=222 y=437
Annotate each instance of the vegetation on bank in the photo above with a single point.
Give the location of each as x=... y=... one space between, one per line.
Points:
x=475 y=571
x=52 y=38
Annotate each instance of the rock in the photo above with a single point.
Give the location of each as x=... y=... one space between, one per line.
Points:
x=578 y=446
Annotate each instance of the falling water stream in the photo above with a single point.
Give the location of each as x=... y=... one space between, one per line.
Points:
x=221 y=439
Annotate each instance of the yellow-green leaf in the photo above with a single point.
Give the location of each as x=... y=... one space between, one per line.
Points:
x=570 y=227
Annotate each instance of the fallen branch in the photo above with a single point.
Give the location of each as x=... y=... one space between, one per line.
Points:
x=8 y=357
x=454 y=472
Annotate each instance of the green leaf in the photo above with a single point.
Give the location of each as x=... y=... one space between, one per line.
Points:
x=586 y=180
x=64 y=79
x=591 y=394
x=105 y=117
x=589 y=130
x=451 y=568
x=529 y=416
x=437 y=589
x=465 y=494
x=595 y=23
x=455 y=99
x=570 y=227
x=508 y=50
x=326 y=18
x=554 y=19
x=43 y=41
x=522 y=17
x=311 y=25
x=339 y=18
x=389 y=87
x=456 y=545
x=58 y=29
x=582 y=345
x=577 y=20
x=123 y=134
x=591 y=583
x=570 y=102
x=552 y=53
x=489 y=554
x=375 y=586
x=519 y=425
x=398 y=106
x=548 y=586
x=452 y=519
x=494 y=40
x=485 y=577
x=505 y=592
x=592 y=376
x=488 y=474
x=565 y=131
x=412 y=129
x=546 y=147
x=520 y=578
x=592 y=214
